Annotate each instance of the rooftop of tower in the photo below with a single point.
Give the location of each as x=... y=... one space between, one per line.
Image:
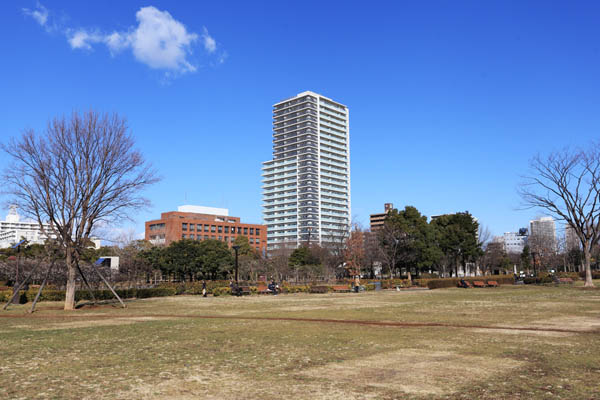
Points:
x=308 y=92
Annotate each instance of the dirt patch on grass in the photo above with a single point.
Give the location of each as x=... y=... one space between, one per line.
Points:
x=217 y=385
x=417 y=372
x=91 y=323
x=524 y=332
x=574 y=323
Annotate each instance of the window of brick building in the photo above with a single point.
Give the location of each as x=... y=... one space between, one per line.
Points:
x=192 y=227
x=199 y=228
x=213 y=228
x=258 y=231
x=183 y=236
x=245 y=231
x=192 y=236
x=227 y=238
x=252 y=231
x=221 y=238
x=239 y=230
x=205 y=228
x=184 y=226
x=220 y=228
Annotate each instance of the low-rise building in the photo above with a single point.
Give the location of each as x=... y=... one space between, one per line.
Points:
x=13 y=230
x=203 y=223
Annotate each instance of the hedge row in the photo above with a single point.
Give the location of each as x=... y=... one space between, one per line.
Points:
x=595 y=274
x=453 y=282
x=59 y=295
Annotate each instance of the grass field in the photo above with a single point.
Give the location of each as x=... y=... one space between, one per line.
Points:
x=445 y=343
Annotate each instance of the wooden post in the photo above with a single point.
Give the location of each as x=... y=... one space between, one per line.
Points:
x=16 y=292
x=41 y=287
x=110 y=287
x=86 y=282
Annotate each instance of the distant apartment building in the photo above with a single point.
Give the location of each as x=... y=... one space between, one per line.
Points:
x=377 y=220
x=571 y=238
x=543 y=234
x=306 y=186
x=514 y=242
x=13 y=230
x=203 y=223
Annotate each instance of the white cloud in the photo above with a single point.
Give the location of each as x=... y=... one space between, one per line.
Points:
x=40 y=14
x=209 y=43
x=158 y=40
x=82 y=39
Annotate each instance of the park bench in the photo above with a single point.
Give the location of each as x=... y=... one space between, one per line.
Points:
x=341 y=288
x=319 y=289
x=263 y=289
x=492 y=283
x=240 y=291
x=479 y=283
x=565 y=280
x=466 y=285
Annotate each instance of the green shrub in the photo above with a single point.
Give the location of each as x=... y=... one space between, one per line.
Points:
x=545 y=279
x=221 y=291
x=572 y=275
x=453 y=282
x=295 y=289
x=595 y=274
x=155 y=292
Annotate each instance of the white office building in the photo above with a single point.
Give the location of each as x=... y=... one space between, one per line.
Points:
x=306 y=186
x=514 y=242
x=13 y=230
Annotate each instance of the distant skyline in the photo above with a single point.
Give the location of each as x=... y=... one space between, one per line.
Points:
x=448 y=100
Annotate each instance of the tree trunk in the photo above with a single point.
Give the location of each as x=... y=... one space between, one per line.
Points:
x=588 y=269
x=71 y=273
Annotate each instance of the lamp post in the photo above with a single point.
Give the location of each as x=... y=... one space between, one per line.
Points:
x=236 y=248
x=533 y=254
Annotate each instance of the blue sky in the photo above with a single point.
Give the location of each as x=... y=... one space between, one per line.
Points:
x=448 y=99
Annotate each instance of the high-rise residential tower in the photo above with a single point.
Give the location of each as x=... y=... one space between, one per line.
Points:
x=306 y=186
x=542 y=234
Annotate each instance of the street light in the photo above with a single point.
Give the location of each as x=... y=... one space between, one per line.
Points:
x=236 y=248
x=533 y=254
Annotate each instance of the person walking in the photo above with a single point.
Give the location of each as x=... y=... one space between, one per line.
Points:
x=356 y=283
x=203 y=288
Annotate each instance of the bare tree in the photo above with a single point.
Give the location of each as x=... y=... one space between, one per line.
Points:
x=567 y=185
x=354 y=253
x=80 y=172
x=390 y=237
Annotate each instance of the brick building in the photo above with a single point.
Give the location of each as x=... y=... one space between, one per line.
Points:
x=377 y=220
x=202 y=223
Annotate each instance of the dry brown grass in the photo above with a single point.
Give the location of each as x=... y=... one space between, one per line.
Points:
x=166 y=349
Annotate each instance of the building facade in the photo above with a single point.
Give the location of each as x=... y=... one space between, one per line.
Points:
x=543 y=234
x=377 y=220
x=203 y=223
x=571 y=239
x=306 y=186
x=514 y=242
x=13 y=230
